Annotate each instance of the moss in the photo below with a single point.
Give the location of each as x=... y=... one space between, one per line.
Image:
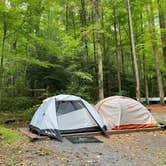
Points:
x=163 y=158
x=9 y=135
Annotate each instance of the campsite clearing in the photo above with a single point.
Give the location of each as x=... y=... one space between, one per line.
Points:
x=159 y=112
x=132 y=149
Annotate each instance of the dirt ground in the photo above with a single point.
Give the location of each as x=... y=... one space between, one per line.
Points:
x=157 y=108
x=132 y=149
x=159 y=112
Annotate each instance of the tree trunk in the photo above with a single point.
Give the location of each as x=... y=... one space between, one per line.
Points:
x=99 y=52
x=155 y=51
x=117 y=52
x=84 y=24
x=103 y=35
x=145 y=77
x=1 y=61
x=122 y=52
x=94 y=44
x=134 y=52
x=67 y=15
x=162 y=28
x=159 y=77
x=145 y=67
x=105 y=56
x=73 y=24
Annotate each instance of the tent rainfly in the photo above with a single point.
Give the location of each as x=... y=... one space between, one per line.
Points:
x=119 y=112
x=64 y=114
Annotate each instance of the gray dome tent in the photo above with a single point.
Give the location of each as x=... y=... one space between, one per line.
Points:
x=64 y=114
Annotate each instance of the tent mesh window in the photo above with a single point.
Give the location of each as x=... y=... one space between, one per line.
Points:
x=73 y=116
x=64 y=107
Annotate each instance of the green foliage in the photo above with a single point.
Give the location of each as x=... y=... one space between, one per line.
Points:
x=34 y=61
x=9 y=135
x=47 y=49
x=122 y=93
x=83 y=76
x=29 y=112
x=15 y=104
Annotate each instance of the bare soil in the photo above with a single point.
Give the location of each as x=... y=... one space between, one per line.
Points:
x=157 y=108
x=132 y=149
x=159 y=112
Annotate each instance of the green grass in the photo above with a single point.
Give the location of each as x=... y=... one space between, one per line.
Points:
x=8 y=135
x=163 y=157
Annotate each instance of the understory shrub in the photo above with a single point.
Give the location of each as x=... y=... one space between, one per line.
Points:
x=14 y=104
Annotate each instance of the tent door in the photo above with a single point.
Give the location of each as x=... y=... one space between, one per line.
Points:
x=73 y=116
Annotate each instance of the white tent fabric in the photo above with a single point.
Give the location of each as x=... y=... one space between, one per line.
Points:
x=119 y=112
x=63 y=114
x=67 y=122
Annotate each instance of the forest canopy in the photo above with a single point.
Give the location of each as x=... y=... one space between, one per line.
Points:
x=89 y=48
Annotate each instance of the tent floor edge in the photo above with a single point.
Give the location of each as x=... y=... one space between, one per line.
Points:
x=105 y=133
x=51 y=133
x=163 y=126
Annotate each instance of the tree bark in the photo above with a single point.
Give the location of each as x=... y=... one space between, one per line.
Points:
x=103 y=35
x=98 y=44
x=162 y=29
x=134 y=52
x=117 y=51
x=67 y=15
x=73 y=24
x=94 y=44
x=84 y=24
x=2 y=60
x=121 y=49
x=145 y=77
x=155 y=51
x=145 y=67
x=105 y=56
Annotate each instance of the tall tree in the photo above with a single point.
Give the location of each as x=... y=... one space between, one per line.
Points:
x=2 y=58
x=134 y=52
x=162 y=27
x=117 y=51
x=67 y=15
x=84 y=27
x=121 y=48
x=99 y=51
x=144 y=64
x=156 y=54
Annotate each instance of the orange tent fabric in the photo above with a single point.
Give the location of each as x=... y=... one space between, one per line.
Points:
x=119 y=112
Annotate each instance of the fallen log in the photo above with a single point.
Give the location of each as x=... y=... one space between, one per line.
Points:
x=8 y=121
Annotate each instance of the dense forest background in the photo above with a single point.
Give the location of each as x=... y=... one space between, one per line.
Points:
x=89 y=48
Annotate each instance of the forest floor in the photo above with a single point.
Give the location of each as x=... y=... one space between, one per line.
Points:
x=157 y=108
x=159 y=112
x=132 y=149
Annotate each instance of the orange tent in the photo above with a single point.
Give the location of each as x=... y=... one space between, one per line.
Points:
x=119 y=112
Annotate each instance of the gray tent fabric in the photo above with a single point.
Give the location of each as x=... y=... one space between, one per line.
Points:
x=65 y=114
